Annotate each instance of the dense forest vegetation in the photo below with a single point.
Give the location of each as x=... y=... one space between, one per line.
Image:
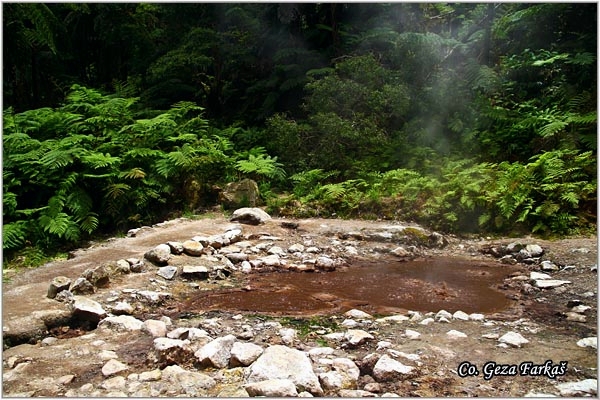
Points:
x=465 y=117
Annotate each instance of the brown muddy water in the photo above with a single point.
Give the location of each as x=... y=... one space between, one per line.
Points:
x=381 y=287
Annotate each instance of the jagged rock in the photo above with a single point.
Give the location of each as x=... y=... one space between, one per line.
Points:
x=57 y=285
x=87 y=309
x=159 y=255
x=194 y=272
x=234 y=235
x=153 y=297
x=82 y=286
x=513 y=338
x=193 y=248
x=113 y=367
x=150 y=376
x=387 y=369
x=591 y=341
x=244 y=354
x=172 y=351
x=586 y=386
x=400 y=252
x=155 y=328
x=64 y=296
x=121 y=323
x=272 y=388
x=348 y=371
x=216 y=353
x=250 y=216
x=281 y=362
x=357 y=336
x=534 y=276
x=268 y=261
x=121 y=267
x=167 y=272
x=239 y=194
x=137 y=266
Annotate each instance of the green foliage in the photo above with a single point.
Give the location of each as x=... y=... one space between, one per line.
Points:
x=259 y=165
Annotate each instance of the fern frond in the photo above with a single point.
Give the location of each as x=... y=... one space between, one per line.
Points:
x=14 y=235
x=116 y=190
x=134 y=173
x=99 y=160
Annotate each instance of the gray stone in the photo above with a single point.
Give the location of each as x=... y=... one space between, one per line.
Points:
x=535 y=250
x=296 y=248
x=176 y=247
x=153 y=297
x=288 y=335
x=272 y=388
x=191 y=334
x=122 y=307
x=216 y=353
x=57 y=285
x=443 y=314
x=82 y=286
x=159 y=255
x=251 y=216
x=461 y=315
x=167 y=272
x=122 y=267
x=244 y=354
x=281 y=362
x=388 y=369
x=400 y=252
x=193 y=248
x=454 y=334
x=98 y=276
x=325 y=263
x=534 y=276
x=412 y=335
x=240 y=194
x=355 y=393
x=87 y=309
x=172 y=351
x=237 y=257
x=575 y=317
x=549 y=266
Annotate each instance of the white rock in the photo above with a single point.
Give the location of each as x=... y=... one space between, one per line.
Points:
x=357 y=336
x=86 y=308
x=393 y=318
x=534 y=249
x=281 y=362
x=591 y=341
x=580 y=308
x=325 y=263
x=476 y=317
x=427 y=321
x=246 y=267
x=155 y=328
x=461 y=315
x=412 y=335
x=317 y=352
x=193 y=248
x=348 y=369
x=114 y=383
x=349 y=323
x=191 y=334
x=244 y=354
x=216 y=353
x=272 y=388
x=357 y=314
x=194 y=384
x=513 y=338
x=113 y=367
x=388 y=369
x=121 y=323
x=288 y=335
x=586 y=386
x=549 y=266
x=534 y=276
x=550 y=283
x=276 y=250
x=443 y=314
x=163 y=343
x=251 y=216
x=296 y=248
x=150 y=376
x=332 y=381
x=159 y=255
x=454 y=334
x=270 y=261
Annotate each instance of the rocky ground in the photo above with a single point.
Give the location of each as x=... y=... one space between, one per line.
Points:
x=114 y=319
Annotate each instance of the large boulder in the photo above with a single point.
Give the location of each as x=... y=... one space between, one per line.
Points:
x=281 y=362
x=240 y=194
x=250 y=216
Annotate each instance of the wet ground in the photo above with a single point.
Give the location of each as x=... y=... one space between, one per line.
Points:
x=384 y=286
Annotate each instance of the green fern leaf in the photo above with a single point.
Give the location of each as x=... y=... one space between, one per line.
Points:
x=116 y=190
x=13 y=235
